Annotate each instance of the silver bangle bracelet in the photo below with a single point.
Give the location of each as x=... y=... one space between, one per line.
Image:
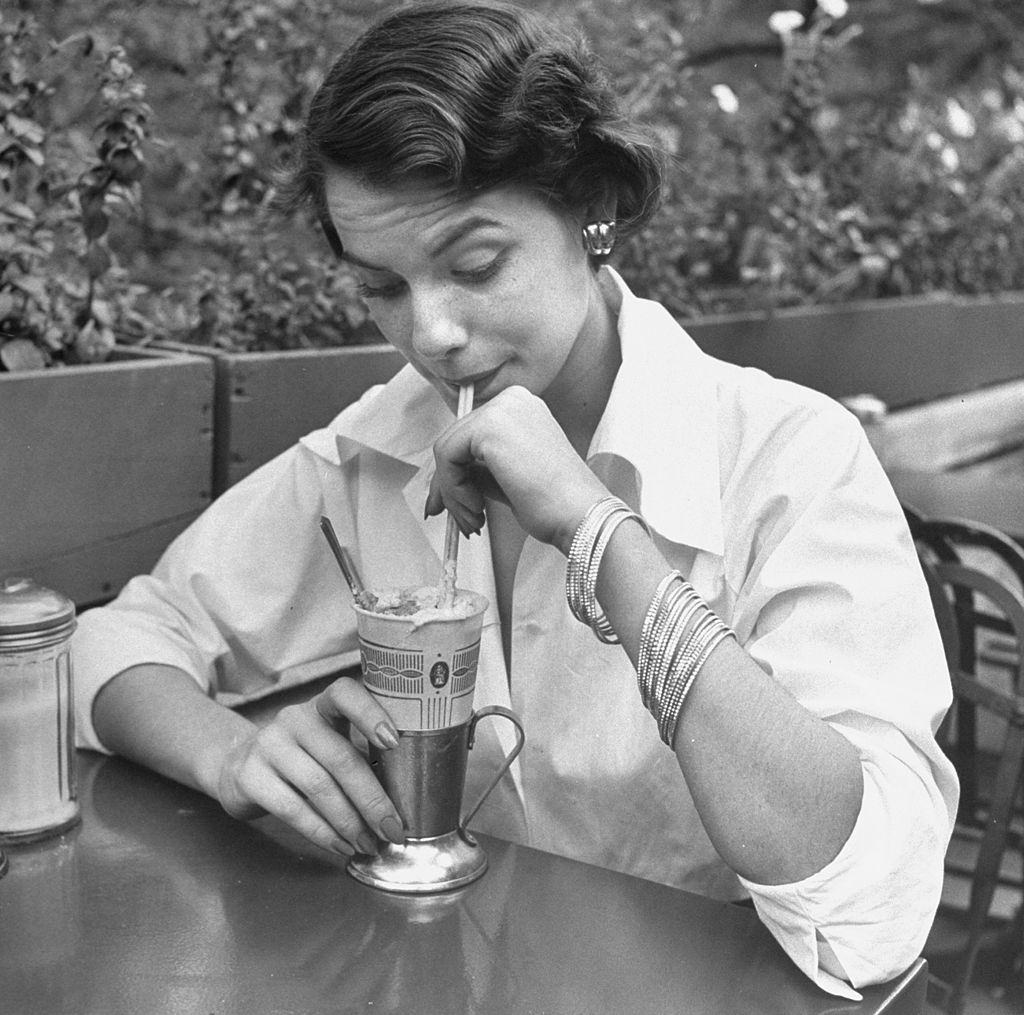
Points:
x=679 y=633
x=586 y=551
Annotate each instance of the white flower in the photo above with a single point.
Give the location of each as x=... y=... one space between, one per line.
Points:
x=1012 y=122
x=950 y=159
x=961 y=123
x=726 y=98
x=834 y=8
x=992 y=99
x=784 y=22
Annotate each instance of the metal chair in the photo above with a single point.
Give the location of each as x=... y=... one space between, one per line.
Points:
x=985 y=636
x=968 y=600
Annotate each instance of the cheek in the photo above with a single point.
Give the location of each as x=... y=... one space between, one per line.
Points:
x=562 y=304
x=551 y=299
x=392 y=324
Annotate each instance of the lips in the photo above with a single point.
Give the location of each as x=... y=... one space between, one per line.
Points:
x=480 y=381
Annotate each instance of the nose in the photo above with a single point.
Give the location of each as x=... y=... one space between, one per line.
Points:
x=438 y=328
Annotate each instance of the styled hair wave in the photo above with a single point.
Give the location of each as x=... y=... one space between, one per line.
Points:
x=471 y=96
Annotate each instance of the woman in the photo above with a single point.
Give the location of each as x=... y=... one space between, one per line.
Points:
x=765 y=727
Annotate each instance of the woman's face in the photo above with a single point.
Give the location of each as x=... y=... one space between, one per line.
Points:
x=494 y=288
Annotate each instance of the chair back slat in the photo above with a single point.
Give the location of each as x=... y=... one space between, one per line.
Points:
x=959 y=577
x=975 y=576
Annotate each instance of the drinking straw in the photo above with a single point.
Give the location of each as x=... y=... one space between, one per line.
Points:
x=451 y=534
x=347 y=565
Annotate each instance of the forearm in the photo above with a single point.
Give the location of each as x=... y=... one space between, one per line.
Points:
x=160 y=717
x=778 y=790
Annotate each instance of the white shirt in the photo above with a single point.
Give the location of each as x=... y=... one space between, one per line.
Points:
x=765 y=494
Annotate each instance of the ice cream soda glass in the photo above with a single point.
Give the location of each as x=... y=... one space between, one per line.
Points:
x=419 y=660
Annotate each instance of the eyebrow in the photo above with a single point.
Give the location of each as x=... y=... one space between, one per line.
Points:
x=460 y=232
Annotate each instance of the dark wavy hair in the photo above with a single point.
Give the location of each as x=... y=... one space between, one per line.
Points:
x=471 y=96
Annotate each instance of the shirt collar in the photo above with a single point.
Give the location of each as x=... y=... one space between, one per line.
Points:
x=400 y=419
x=661 y=420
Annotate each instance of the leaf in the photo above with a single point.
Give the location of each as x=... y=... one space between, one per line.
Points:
x=34 y=287
x=17 y=210
x=21 y=354
x=54 y=337
x=25 y=129
x=126 y=166
x=94 y=343
x=97 y=260
x=94 y=218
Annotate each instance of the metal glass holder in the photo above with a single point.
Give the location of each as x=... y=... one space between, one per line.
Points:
x=424 y=776
x=437 y=864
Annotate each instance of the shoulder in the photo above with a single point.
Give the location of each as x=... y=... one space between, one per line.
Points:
x=399 y=419
x=794 y=459
x=773 y=424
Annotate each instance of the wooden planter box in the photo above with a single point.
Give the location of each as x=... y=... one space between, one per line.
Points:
x=266 y=401
x=904 y=352
x=950 y=370
x=101 y=466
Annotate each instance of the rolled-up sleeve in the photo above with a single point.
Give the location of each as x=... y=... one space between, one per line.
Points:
x=834 y=607
x=246 y=593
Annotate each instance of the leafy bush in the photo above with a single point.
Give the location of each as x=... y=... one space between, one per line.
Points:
x=804 y=195
x=797 y=186
x=60 y=290
x=262 y=283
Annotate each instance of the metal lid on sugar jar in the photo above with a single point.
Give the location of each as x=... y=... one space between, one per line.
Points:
x=32 y=615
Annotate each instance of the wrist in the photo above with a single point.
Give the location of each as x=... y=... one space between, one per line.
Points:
x=225 y=734
x=586 y=552
x=574 y=515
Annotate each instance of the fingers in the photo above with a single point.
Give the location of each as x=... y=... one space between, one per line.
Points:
x=337 y=784
x=465 y=502
x=262 y=784
x=347 y=700
x=300 y=769
x=459 y=482
x=514 y=445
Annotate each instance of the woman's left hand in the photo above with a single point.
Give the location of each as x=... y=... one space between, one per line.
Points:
x=511 y=448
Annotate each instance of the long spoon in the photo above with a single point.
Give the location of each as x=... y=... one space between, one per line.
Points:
x=348 y=568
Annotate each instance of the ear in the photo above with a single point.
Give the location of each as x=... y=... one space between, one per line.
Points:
x=603 y=208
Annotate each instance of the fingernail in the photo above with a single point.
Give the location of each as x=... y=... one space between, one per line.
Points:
x=392 y=830
x=367 y=843
x=386 y=734
x=342 y=847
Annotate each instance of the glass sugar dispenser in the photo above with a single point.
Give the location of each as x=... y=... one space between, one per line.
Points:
x=38 y=795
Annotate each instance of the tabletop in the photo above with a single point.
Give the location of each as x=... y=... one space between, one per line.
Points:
x=160 y=903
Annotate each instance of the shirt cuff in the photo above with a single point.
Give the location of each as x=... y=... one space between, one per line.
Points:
x=102 y=647
x=864 y=917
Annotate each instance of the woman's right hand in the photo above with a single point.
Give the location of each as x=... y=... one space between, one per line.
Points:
x=301 y=769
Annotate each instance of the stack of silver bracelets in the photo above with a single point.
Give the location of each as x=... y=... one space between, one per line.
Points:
x=679 y=631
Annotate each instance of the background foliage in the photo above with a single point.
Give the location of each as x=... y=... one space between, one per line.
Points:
x=874 y=149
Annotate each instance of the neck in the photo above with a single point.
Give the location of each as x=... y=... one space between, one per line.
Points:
x=578 y=397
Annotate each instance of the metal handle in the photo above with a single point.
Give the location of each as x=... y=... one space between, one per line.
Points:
x=504 y=713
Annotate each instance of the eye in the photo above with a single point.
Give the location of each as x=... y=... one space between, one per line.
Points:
x=383 y=292
x=477 y=276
